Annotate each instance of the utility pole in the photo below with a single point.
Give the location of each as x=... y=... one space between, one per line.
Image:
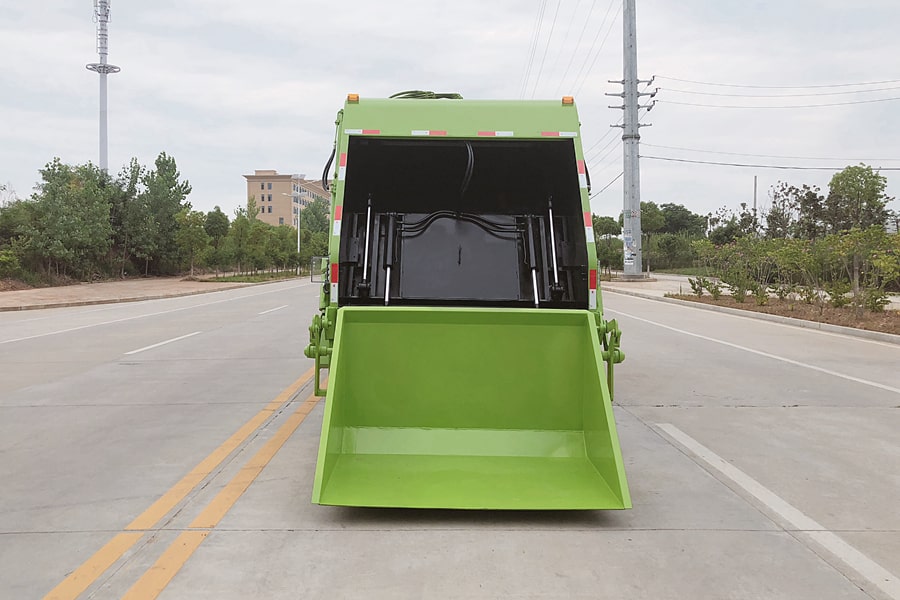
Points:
x=101 y=17
x=631 y=137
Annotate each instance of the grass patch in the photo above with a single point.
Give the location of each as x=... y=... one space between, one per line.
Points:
x=254 y=277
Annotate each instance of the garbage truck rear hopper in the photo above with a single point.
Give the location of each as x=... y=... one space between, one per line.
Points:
x=470 y=365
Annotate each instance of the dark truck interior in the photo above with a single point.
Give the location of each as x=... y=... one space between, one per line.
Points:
x=462 y=223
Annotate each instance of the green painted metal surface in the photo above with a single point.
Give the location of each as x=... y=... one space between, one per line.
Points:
x=468 y=408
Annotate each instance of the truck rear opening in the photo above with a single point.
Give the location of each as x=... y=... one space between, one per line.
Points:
x=462 y=322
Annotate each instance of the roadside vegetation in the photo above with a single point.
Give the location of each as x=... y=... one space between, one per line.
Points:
x=82 y=224
x=828 y=257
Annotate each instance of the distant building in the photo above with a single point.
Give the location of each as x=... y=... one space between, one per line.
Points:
x=280 y=198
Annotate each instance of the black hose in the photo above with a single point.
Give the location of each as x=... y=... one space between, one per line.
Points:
x=426 y=95
x=587 y=177
x=327 y=167
x=470 y=163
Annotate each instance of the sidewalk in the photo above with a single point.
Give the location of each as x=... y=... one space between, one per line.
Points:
x=108 y=292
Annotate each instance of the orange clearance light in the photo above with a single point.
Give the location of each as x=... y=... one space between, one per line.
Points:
x=352 y=97
x=568 y=100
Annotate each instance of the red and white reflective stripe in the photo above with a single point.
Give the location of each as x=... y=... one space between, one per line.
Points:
x=429 y=132
x=342 y=166
x=334 y=283
x=582 y=175
x=338 y=211
x=496 y=133
x=589 y=227
x=565 y=134
x=592 y=285
x=362 y=131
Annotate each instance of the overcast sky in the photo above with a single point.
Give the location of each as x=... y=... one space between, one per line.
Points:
x=229 y=86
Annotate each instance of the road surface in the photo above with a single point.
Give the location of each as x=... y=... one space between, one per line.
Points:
x=168 y=447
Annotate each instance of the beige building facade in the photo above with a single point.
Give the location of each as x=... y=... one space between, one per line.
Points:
x=280 y=197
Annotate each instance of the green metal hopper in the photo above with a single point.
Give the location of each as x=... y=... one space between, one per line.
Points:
x=470 y=366
x=468 y=408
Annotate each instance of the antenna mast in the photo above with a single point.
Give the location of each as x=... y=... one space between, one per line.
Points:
x=101 y=17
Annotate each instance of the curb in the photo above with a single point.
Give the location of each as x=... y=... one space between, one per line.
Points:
x=877 y=336
x=128 y=299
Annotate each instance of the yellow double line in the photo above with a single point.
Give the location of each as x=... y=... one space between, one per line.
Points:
x=160 y=574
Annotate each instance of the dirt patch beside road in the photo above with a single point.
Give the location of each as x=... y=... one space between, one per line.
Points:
x=885 y=322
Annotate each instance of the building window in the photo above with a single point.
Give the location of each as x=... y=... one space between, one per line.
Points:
x=270 y=185
x=270 y=209
x=281 y=220
x=270 y=195
x=262 y=186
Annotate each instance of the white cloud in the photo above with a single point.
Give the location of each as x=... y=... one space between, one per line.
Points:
x=228 y=86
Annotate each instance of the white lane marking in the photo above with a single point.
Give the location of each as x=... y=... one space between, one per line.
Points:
x=265 y=312
x=856 y=560
x=150 y=347
x=790 y=361
x=852 y=338
x=153 y=314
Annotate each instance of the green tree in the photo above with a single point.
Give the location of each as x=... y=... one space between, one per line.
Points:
x=315 y=216
x=166 y=196
x=216 y=226
x=191 y=236
x=856 y=198
x=679 y=219
x=70 y=231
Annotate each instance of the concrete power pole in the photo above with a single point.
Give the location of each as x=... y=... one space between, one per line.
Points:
x=631 y=232
x=101 y=17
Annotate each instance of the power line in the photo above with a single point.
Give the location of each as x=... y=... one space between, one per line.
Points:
x=535 y=36
x=698 y=93
x=590 y=51
x=595 y=194
x=768 y=155
x=599 y=50
x=728 y=164
x=780 y=87
x=577 y=46
x=562 y=45
x=537 y=79
x=778 y=107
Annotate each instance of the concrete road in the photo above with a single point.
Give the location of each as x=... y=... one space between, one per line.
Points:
x=164 y=448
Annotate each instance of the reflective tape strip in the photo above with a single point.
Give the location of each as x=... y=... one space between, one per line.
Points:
x=566 y=134
x=589 y=234
x=338 y=212
x=587 y=219
x=496 y=133
x=334 y=273
x=582 y=180
x=592 y=279
x=334 y=293
x=342 y=166
x=336 y=230
x=362 y=131
x=353 y=131
x=429 y=132
x=581 y=168
x=592 y=300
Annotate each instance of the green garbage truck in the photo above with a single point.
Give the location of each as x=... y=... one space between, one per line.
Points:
x=469 y=362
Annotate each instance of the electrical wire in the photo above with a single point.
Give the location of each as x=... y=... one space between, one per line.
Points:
x=537 y=80
x=767 y=155
x=535 y=36
x=780 y=87
x=577 y=46
x=587 y=56
x=599 y=50
x=565 y=40
x=605 y=187
x=780 y=107
x=781 y=167
x=808 y=95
